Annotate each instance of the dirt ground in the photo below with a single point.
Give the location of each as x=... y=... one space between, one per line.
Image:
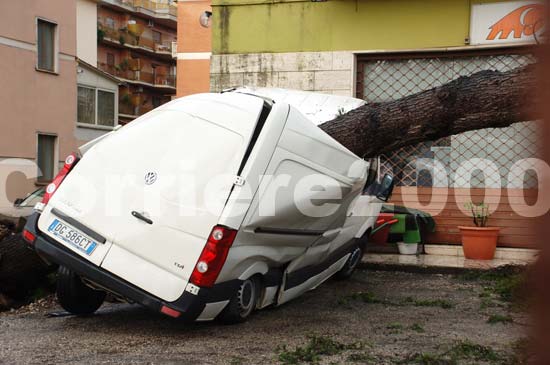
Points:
x=377 y=317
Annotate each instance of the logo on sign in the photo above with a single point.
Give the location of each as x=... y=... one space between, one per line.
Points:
x=524 y=21
x=150 y=178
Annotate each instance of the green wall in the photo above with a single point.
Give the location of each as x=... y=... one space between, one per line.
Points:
x=250 y=26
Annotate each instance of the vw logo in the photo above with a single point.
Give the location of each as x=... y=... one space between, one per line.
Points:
x=150 y=178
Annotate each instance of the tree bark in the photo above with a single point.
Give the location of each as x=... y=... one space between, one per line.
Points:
x=21 y=270
x=487 y=99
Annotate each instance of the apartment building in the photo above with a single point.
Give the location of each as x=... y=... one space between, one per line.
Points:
x=194 y=46
x=38 y=97
x=135 y=42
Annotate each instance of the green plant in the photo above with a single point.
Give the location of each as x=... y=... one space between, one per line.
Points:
x=365 y=297
x=506 y=282
x=124 y=64
x=100 y=34
x=122 y=40
x=498 y=318
x=466 y=350
x=428 y=359
x=480 y=213
x=362 y=358
x=312 y=352
x=125 y=99
x=445 y=304
x=237 y=360
x=463 y=352
x=417 y=328
x=394 y=328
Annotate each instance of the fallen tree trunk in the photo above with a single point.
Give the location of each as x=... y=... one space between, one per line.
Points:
x=21 y=270
x=487 y=99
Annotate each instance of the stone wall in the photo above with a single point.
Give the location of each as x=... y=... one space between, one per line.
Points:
x=327 y=72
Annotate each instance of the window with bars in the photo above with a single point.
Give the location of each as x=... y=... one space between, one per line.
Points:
x=96 y=107
x=395 y=76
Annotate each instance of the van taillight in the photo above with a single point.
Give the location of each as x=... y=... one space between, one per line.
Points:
x=70 y=162
x=213 y=256
x=29 y=236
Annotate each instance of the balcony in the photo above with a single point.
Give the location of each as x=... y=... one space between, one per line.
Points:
x=166 y=13
x=130 y=71
x=161 y=8
x=131 y=38
x=133 y=111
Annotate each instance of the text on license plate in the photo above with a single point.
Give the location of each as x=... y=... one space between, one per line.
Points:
x=72 y=236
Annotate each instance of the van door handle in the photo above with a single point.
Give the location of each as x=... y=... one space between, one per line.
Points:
x=142 y=217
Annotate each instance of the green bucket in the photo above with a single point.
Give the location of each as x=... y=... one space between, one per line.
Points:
x=412 y=236
x=400 y=226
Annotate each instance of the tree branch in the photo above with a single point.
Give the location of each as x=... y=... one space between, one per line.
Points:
x=487 y=99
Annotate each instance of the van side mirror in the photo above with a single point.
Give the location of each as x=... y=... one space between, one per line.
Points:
x=385 y=188
x=17 y=202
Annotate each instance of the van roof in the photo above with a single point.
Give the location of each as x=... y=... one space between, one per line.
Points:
x=318 y=107
x=237 y=112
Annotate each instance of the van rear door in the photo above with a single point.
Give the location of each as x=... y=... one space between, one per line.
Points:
x=169 y=175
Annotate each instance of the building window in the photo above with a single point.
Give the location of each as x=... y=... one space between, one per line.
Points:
x=110 y=59
x=110 y=23
x=46 y=157
x=45 y=43
x=96 y=107
x=86 y=105
x=105 y=108
x=157 y=37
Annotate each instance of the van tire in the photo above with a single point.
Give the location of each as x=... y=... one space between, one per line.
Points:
x=74 y=296
x=242 y=303
x=351 y=264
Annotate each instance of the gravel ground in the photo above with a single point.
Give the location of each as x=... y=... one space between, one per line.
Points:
x=376 y=317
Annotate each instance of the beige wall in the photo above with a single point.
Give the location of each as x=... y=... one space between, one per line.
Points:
x=86 y=31
x=18 y=20
x=32 y=101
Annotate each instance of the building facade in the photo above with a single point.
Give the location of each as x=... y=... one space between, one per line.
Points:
x=59 y=99
x=38 y=97
x=136 y=39
x=194 y=46
x=380 y=51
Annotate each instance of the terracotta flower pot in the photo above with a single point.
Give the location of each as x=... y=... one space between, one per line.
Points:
x=479 y=243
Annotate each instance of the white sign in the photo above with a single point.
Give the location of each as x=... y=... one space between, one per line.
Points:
x=507 y=22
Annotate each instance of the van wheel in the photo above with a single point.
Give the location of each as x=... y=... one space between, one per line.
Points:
x=74 y=296
x=351 y=264
x=243 y=302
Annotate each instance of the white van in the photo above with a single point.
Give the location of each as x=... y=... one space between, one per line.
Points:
x=210 y=206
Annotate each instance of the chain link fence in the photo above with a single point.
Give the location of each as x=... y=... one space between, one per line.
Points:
x=397 y=76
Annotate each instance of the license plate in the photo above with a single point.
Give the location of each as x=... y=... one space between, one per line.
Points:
x=72 y=236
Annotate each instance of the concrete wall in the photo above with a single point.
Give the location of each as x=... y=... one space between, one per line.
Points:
x=86 y=31
x=32 y=101
x=329 y=72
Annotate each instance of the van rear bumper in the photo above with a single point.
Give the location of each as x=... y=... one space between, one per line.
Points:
x=189 y=305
